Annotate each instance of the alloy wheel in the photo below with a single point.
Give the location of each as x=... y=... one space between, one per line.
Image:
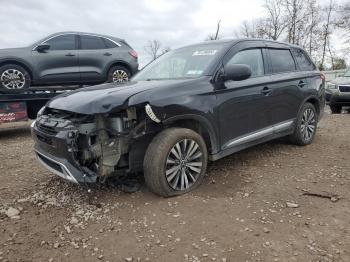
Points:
x=183 y=164
x=13 y=79
x=308 y=124
x=120 y=76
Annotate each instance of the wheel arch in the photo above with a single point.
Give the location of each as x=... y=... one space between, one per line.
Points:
x=118 y=63
x=315 y=102
x=198 y=124
x=19 y=63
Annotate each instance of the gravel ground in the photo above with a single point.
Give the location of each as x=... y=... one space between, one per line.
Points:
x=251 y=207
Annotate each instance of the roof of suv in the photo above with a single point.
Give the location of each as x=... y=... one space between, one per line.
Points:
x=119 y=40
x=236 y=40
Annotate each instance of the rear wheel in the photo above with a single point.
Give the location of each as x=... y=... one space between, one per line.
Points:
x=175 y=162
x=118 y=74
x=14 y=77
x=306 y=125
x=335 y=109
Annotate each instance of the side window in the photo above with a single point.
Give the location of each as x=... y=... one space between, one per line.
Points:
x=89 y=42
x=252 y=58
x=109 y=43
x=282 y=60
x=303 y=61
x=62 y=42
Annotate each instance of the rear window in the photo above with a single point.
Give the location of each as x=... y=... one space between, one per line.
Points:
x=92 y=42
x=281 y=60
x=303 y=61
x=109 y=43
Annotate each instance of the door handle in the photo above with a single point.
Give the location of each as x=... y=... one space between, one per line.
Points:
x=107 y=54
x=70 y=54
x=301 y=84
x=266 y=91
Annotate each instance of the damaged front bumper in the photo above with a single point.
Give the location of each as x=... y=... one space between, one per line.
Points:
x=87 y=149
x=54 y=152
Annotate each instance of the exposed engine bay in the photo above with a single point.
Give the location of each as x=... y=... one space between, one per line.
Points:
x=102 y=144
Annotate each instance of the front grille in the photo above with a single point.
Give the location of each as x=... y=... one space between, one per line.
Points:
x=344 y=88
x=44 y=139
x=51 y=164
x=47 y=129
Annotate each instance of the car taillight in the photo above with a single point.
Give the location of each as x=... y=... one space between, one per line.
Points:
x=133 y=54
x=323 y=77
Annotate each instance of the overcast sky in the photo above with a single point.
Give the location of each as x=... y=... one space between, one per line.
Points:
x=173 y=22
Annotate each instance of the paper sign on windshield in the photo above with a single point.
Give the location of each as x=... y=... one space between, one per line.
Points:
x=204 y=52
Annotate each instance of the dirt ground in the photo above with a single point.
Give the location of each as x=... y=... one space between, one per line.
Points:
x=251 y=207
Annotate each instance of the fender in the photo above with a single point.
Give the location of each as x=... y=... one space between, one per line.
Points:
x=204 y=122
x=18 y=61
x=315 y=98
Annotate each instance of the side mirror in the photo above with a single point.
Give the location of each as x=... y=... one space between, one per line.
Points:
x=42 y=48
x=237 y=72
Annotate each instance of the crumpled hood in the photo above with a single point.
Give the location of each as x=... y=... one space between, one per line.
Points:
x=341 y=81
x=110 y=97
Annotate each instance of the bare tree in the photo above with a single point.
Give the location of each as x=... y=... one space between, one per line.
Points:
x=252 y=29
x=275 y=22
x=295 y=11
x=153 y=48
x=313 y=27
x=215 y=36
x=344 y=21
x=327 y=30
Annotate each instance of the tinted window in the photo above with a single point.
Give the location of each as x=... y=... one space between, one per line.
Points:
x=281 y=60
x=251 y=57
x=109 y=43
x=302 y=60
x=92 y=42
x=62 y=42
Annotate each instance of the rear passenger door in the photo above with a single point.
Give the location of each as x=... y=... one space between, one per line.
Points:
x=285 y=87
x=94 y=55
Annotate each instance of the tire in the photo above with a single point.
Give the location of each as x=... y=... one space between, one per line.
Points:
x=306 y=126
x=11 y=70
x=158 y=161
x=335 y=109
x=118 y=74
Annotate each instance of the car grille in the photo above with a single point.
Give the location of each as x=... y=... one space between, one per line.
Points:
x=47 y=129
x=344 y=88
x=44 y=139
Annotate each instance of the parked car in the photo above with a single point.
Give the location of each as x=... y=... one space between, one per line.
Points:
x=197 y=103
x=338 y=93
x=68 y=58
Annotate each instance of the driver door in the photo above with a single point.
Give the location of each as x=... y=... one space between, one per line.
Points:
x=60 y=63
x=244 y=105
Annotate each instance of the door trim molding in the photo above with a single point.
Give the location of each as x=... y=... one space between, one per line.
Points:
x=277 y=128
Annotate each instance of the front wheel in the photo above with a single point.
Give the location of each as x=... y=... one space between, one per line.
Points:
x=306 y=124
x=118 y=74
x=175 y=162
x=14 y=77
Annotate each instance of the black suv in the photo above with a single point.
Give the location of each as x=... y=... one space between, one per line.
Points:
x=68 y=58
x=199 y=102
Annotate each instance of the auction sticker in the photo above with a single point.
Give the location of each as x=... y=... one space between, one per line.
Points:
x=204 y=52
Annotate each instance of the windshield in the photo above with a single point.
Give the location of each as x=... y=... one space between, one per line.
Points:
x=347 y=73
x=188 y=62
